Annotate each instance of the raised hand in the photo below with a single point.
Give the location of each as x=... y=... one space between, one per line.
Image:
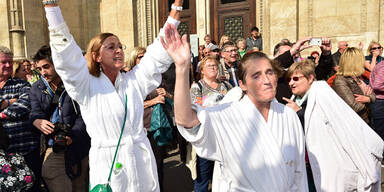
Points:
x=178 y=49
x=326 y=46
x=300 y=46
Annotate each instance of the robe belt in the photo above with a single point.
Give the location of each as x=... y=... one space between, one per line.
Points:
x=125 y=140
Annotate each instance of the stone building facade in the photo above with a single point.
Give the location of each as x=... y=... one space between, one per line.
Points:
x=137 y=22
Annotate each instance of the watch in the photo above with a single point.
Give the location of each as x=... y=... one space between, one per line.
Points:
x=177 y=8
x=49 y=2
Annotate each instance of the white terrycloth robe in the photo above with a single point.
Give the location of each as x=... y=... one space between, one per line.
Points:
x=344 y=152
x=254 y=155
x=102 y=108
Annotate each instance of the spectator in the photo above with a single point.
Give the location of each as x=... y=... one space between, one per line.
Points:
x=208 y=42
x=242 y=46
x=224 y=39
x=374 y=51
x=134 y=57
x=349 y=86
x=281 y=48
x=15 y=108
x=376 y=81
x=229 y=64
x=341 y=45
x=104 y=94
x=157 y=96
x=285 y=60
x=215 y=52
x=19 y=70
x=342 y=150
x=206 y=92
x=58 y=118
x=206 y=52
x=255 y=39
x=315 y=57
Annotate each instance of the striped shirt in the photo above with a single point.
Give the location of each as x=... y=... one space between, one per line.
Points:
x=22 y=138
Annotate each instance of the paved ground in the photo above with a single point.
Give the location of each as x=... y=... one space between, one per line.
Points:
x=177 y=176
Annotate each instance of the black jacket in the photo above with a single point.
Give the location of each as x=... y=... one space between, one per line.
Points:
x=42 y=108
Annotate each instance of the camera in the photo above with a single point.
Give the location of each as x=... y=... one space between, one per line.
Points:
x=61 y=131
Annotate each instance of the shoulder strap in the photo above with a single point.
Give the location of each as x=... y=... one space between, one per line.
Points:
x=118 y=143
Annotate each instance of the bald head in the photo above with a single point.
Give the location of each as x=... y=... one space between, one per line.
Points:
x=342 y=45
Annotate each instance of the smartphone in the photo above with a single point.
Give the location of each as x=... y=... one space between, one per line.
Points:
x=315 y=41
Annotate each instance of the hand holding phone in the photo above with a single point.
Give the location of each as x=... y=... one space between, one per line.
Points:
x=315 y=41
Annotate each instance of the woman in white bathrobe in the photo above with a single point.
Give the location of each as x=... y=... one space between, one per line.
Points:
x=102 y=91
x=258 y=142
x=344 y=153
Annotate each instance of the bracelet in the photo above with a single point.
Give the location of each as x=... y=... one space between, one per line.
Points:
x=177 y=8
x=50 y=2
x=8 y=103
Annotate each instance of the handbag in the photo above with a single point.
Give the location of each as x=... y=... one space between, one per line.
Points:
x=106 y=187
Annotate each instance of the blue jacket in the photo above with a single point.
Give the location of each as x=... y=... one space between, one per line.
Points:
x=43 y=109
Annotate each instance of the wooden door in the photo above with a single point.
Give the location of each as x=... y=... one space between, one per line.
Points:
x=188 y=15
x=232 y=17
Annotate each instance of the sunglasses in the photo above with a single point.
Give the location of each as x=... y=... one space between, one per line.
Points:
x=374 y=48
x=139 y=57
x=296 y=78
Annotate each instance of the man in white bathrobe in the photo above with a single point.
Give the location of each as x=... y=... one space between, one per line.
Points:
x=258 y=142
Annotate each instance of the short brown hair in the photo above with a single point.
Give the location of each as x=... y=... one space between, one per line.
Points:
x=242 y=70
x=306 y=67
x=94 y=47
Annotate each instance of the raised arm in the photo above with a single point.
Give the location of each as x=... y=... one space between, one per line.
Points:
x=156 y=60
x=178 y=49
x=67 y=55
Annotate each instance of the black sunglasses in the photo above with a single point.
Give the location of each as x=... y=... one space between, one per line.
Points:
x=374 y=48
x=139 y=57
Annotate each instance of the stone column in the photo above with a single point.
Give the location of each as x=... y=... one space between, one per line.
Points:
x=203 y=20
x=17 y=29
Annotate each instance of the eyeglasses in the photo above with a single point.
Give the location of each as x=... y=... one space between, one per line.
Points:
x=230 y=51
x=295 y=78
x=374 y=48
x=139 y=57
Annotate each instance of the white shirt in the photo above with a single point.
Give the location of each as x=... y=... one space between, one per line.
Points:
x=254 y=155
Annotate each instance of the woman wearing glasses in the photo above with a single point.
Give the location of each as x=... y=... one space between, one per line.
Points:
x=103 y=91
x=342 y=152
x=134 y=57
x=374 y=51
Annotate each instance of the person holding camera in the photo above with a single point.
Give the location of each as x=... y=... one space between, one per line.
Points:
x=58 y=117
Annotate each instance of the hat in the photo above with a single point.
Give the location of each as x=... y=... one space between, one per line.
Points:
x=215 y=48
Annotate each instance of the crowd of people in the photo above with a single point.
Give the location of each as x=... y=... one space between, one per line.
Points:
x=243 y=120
